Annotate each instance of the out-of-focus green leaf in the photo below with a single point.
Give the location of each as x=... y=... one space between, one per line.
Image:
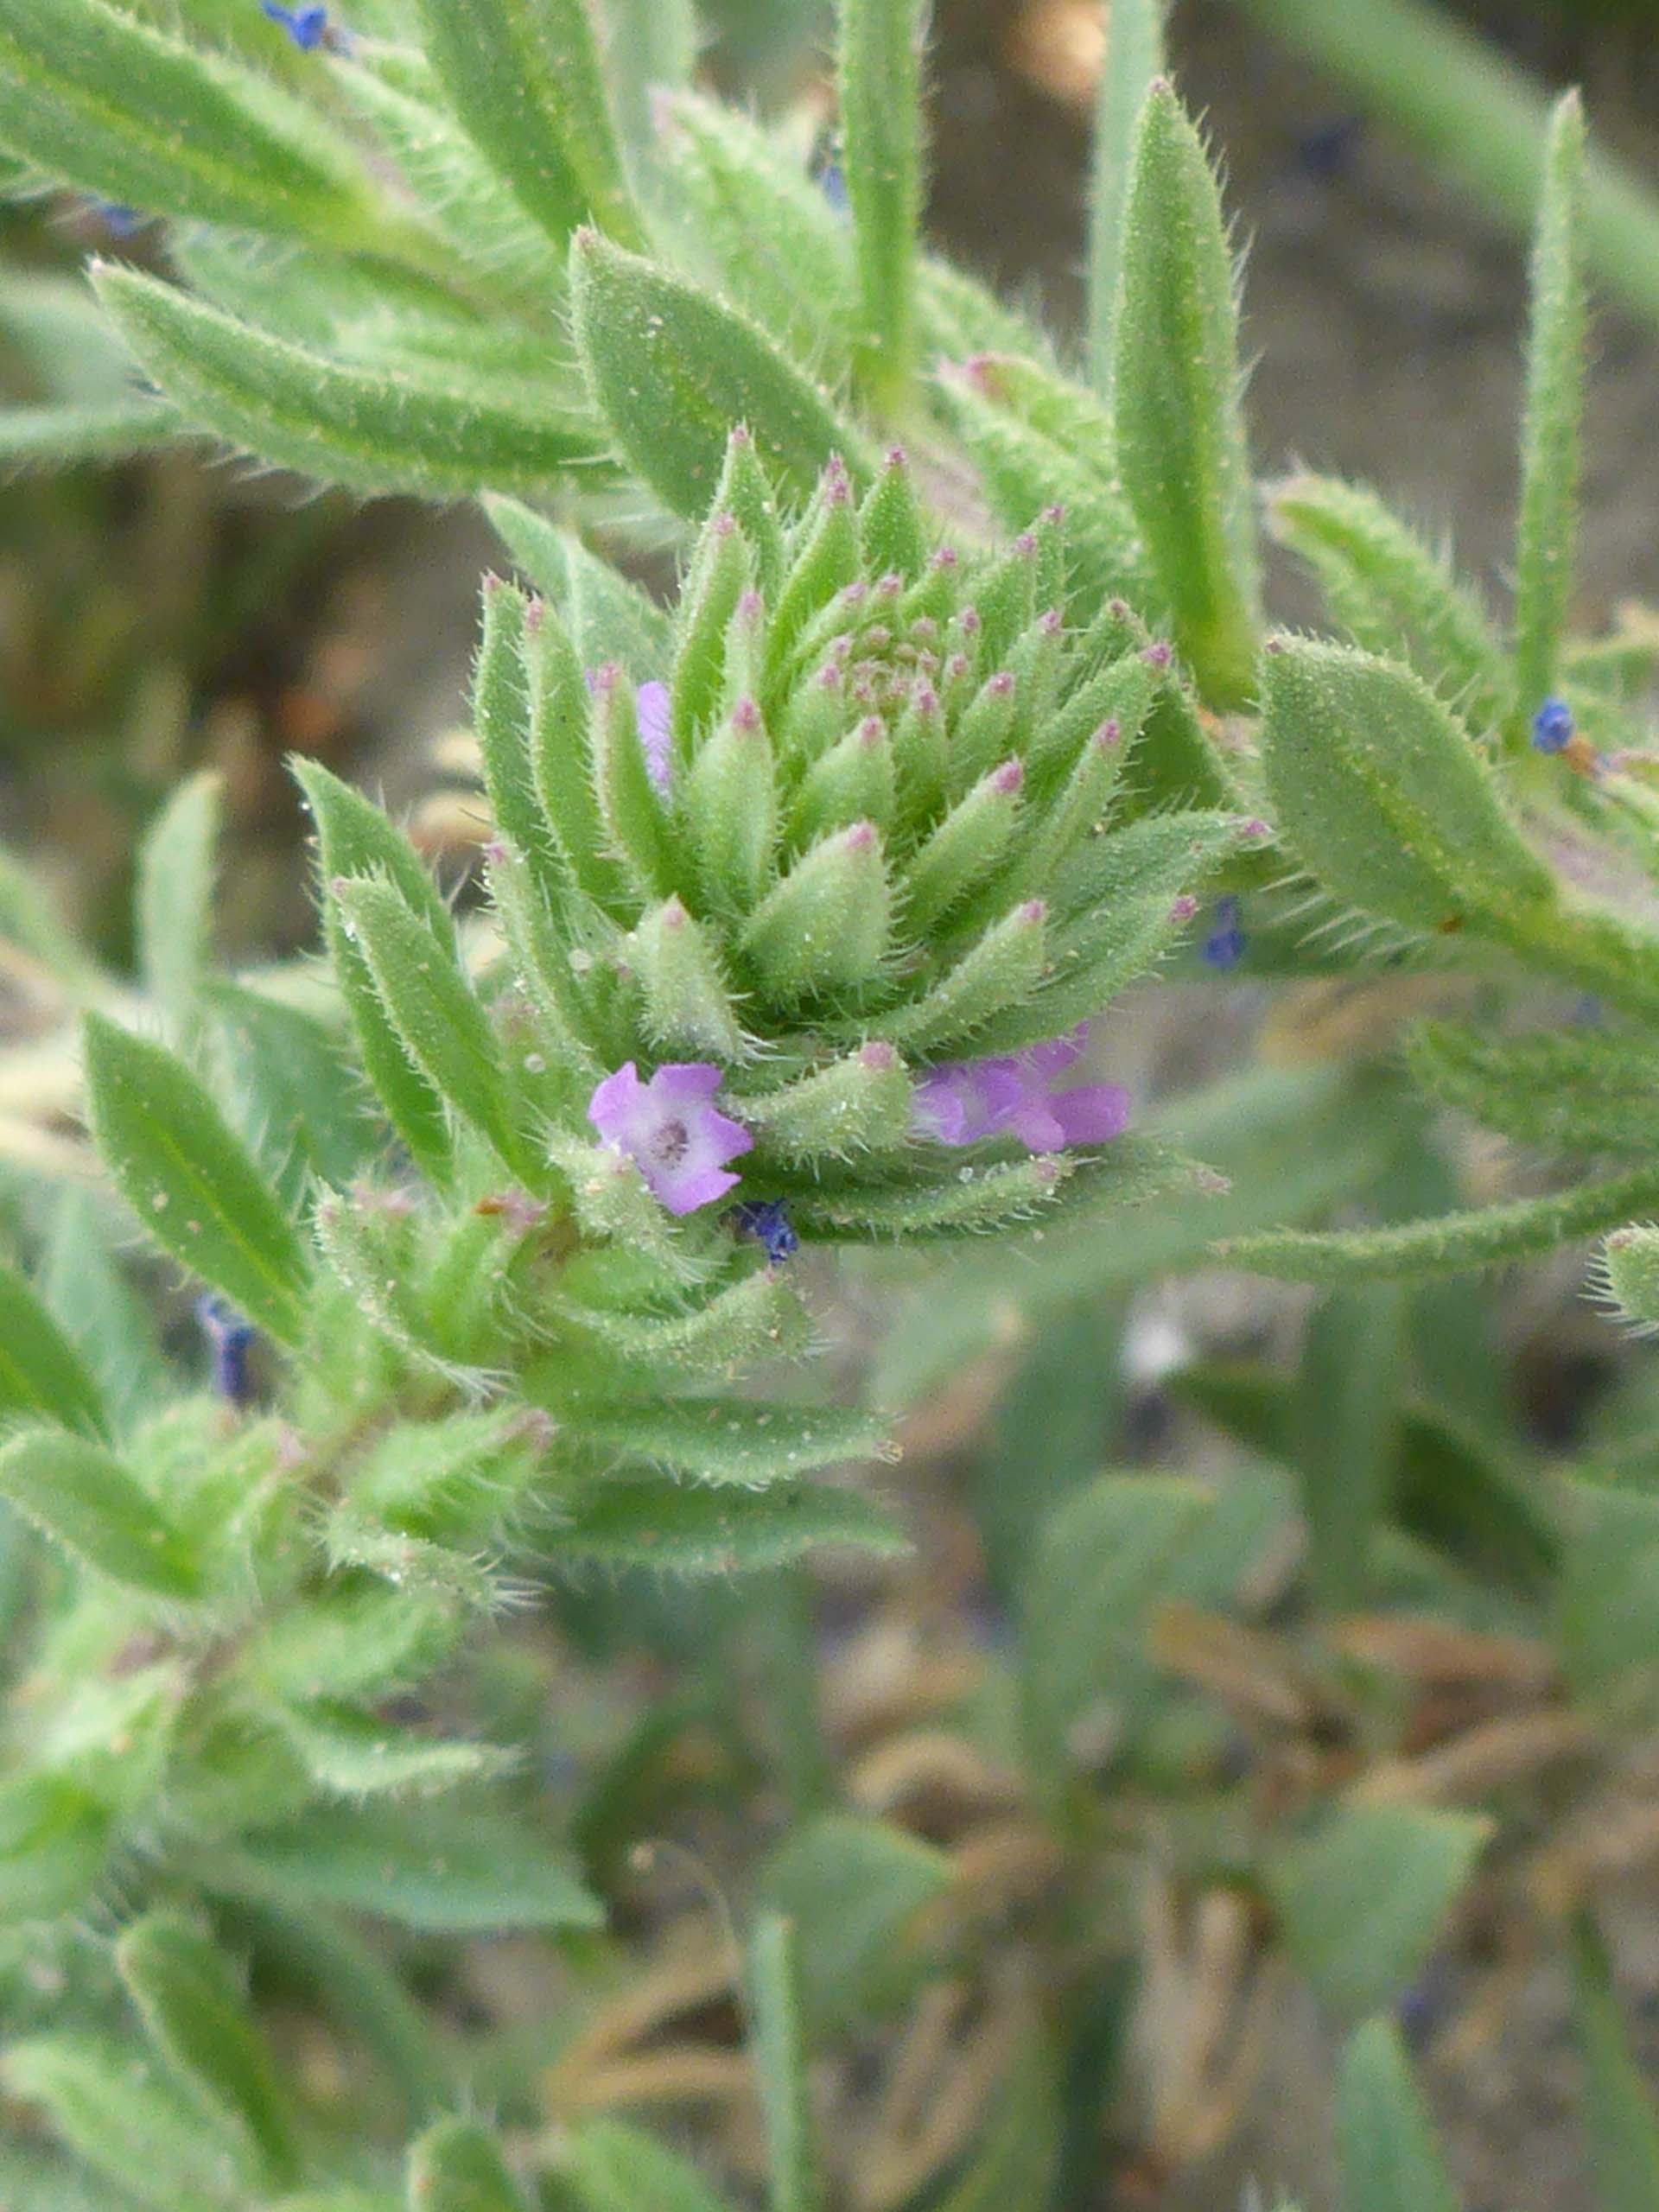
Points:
x=202 y=2024
x=443 y=1868
x=1389 y=2161
x=1362 y=1900
x=87 y=1501
x=42 y=1374
x=856 y=1893
x=174 y=899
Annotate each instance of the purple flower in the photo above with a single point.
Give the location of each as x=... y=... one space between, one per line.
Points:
x=669 y=1128
x=119 y=220
x=767 y=1221
x=306 y=26
x=656 y=733
x=1015 y=1096
x=1553 y=726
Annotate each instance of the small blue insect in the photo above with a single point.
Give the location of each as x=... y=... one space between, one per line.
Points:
x=1225 y=946
x=306 y=26
x=767 y=1221
x=230 y=1340
x=1553 y=726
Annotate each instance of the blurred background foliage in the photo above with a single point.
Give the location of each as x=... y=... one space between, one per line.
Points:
x=170 y=614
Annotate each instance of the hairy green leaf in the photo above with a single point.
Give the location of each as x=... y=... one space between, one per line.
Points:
x=408 y=427
x=1551 y=460
x=524 y=77
x=672 y=371
x=190 y=1180
x=131 y=113
x=679 y=1528
x=1456 y=1243
x=87 y=1501
x=1180 y=434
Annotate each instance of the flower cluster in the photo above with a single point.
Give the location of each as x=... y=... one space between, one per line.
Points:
x=838 y=887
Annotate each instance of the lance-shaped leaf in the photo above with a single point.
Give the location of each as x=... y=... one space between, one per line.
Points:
x=779 y=2045
x=174 y=896
x=1134 y=56
x=356 y=839
x=1394 y=594
x=458 y=2167
x=881 y=83
x=1457 y=1244
x=684 y=1528
x=87 y=1501
x=524 y=78
x=1180 y=433
x=1383 y=799
x=200 y=2022
x=414 y=427
x=131 y=113
x=672 y=371
x=1550 y=454
x=190 y=1180
x=1384 y=2139
x=432 y=1008
x=42 y=1374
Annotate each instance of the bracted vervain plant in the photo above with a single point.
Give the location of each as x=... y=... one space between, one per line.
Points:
x=797 y=906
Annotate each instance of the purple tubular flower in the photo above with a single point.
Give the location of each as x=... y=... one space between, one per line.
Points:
x=656 y=733
x=767 y=1221
x=306 y=26
x=1015 y=1096
x=669 y=1128
x=1225 y=946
